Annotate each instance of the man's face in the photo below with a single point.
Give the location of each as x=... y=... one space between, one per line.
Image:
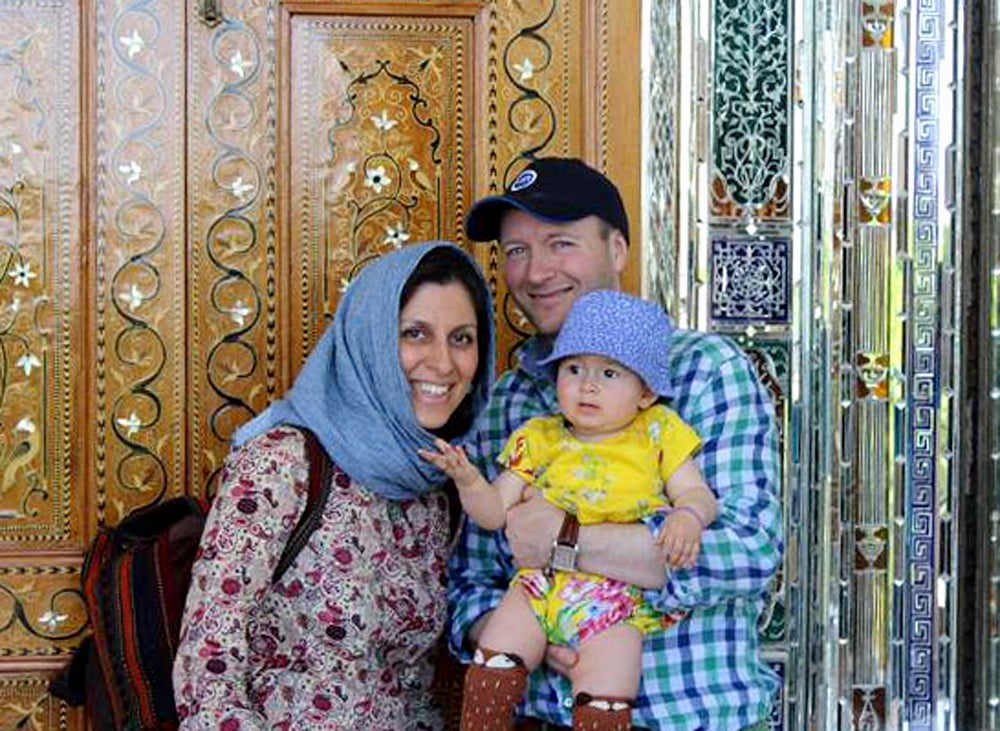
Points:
x=548 y=265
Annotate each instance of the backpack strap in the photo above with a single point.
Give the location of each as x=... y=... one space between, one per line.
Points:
x=320 y=479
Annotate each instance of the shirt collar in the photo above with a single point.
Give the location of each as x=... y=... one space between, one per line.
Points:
x=532 y=351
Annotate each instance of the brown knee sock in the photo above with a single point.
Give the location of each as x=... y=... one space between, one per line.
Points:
x=494 y=684
x=593 y=713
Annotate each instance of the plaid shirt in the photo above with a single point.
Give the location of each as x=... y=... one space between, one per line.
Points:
x=704 y=673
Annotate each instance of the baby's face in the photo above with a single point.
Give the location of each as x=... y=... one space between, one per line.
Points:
x=599 y=396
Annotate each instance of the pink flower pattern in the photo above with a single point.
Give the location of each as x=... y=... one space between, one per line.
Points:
x=575 y=606
x=345 y=640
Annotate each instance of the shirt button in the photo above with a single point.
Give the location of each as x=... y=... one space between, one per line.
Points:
x=568 y=702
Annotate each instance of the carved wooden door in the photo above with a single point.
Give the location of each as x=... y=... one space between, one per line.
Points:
x=184 y=191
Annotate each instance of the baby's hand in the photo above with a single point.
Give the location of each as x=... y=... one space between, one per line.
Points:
x=680 y=538
x=452 y=460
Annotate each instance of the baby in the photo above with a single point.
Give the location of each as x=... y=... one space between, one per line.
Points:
x=612 y=454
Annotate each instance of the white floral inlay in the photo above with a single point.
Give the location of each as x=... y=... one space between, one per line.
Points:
x=52 y=620
x=21 y=274
x=27 y=362
x=383 y=122
x=133 y=43
x=241 y=188
x=131 y=170
x=239 y=312
x=133 y=298
x=525 y=69
x=132 y=424
x=376 y=179
x=239 y=65
x=396 y=235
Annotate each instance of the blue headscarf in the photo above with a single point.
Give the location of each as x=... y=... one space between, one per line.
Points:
x=352 y=392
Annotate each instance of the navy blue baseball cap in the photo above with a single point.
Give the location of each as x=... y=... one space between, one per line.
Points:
x=558 y=189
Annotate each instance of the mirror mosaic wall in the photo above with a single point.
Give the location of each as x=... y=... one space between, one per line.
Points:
x=811 y=173
x=983 y=284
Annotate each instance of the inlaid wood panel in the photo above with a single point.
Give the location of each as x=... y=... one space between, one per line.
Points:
x=43 y=498
x=139 y=247
x=379 y=147
x=42 y=614
x=25 y=704
x=538 y=79
x=234 y=329
x=40 y=220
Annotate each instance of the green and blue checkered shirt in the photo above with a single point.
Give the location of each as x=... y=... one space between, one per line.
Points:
x=704 y=673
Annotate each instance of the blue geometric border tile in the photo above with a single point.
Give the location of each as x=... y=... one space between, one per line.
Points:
x=751 y=280
x=929 y=85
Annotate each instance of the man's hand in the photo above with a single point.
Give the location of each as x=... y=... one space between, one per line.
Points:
x=561 y=658
x=532 y=528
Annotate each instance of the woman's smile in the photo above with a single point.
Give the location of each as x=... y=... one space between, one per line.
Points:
x=430 y=391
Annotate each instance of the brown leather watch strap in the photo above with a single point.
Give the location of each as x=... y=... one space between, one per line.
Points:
x=570 y=531
x=564 y=548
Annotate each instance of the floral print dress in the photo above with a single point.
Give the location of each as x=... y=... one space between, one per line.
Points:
x=345 y=639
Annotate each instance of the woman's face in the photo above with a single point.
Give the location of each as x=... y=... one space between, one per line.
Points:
x=438 y=350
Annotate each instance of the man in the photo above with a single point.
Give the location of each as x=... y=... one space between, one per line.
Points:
x=563 y=231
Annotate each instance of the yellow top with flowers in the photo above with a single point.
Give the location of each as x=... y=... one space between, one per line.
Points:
x=617 y=479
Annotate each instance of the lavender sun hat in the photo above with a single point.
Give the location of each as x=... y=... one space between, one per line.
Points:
x=632 y=331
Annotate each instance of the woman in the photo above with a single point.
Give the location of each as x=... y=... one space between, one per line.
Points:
x=344 y=639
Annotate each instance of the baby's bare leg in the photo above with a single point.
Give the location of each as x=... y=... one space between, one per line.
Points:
x=511 y=645
x=514 y=629
x=606 y=679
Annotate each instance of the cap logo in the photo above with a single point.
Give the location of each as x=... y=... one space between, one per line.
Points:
x=522 y=181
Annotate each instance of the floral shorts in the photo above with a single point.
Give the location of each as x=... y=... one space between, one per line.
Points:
x=574 y=606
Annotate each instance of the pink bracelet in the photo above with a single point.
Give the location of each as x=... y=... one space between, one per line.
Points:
x=688 y=509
